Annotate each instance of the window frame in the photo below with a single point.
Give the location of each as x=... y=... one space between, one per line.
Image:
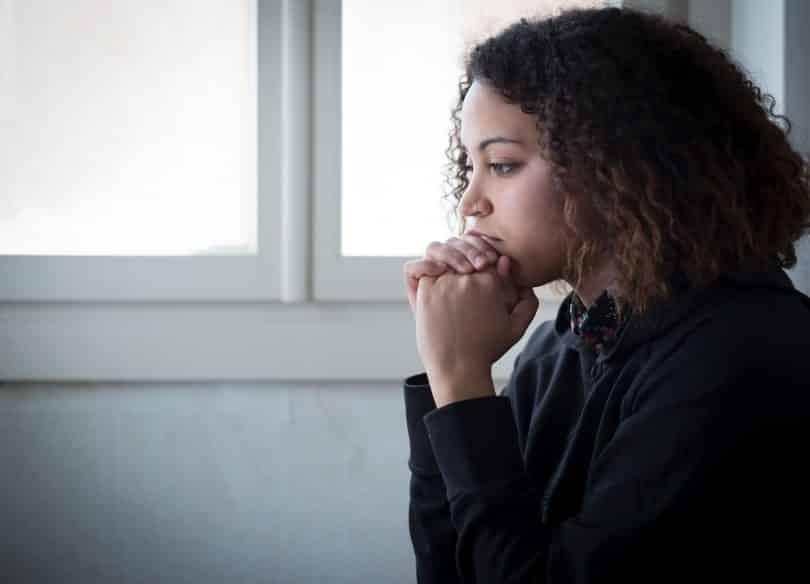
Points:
x=56 y=278
x=337 y=277
x=234 y=318
x=208 y=319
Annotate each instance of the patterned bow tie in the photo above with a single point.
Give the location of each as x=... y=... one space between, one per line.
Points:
x=597 y=325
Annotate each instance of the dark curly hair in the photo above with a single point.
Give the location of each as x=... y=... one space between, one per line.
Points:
x=669 y=159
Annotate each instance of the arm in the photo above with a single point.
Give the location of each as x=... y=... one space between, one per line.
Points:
x=432 y=532
x=639 y=508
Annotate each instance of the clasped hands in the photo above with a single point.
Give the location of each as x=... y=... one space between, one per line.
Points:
x=466 y=317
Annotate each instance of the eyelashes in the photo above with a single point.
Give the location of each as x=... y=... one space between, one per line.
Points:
x=497 y=168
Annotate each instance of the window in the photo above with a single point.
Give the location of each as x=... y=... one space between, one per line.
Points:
x=129 y=144
x=400 y=66
x=274 y=273
x=379 y=181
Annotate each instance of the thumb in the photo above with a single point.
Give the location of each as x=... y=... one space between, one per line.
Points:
x=504 y=268
x=523 y=312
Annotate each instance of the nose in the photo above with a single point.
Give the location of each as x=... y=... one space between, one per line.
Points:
x=474 y=203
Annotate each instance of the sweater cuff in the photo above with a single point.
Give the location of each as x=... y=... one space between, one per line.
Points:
x=475 y=443
x=418 y=402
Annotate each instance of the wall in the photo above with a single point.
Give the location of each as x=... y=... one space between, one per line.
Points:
x=797 y=105
x=204 y=484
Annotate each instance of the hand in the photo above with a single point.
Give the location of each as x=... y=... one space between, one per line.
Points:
x=464 y=325
x=457 y=254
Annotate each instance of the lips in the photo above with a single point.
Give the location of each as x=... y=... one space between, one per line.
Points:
x=482 y=235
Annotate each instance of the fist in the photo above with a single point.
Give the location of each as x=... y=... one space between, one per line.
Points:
x=464 y=255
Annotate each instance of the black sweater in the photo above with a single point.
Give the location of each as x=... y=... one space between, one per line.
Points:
x=675 y=455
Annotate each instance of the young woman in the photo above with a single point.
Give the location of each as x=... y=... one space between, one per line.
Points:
x=656 y=429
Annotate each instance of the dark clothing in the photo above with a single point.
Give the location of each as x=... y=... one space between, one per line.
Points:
x=675 y=455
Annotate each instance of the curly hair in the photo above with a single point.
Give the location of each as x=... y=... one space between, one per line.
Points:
x=669 y=159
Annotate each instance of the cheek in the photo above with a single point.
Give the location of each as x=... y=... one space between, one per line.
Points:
x=541 y=250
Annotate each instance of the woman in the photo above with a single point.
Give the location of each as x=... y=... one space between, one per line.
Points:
x=654 y=430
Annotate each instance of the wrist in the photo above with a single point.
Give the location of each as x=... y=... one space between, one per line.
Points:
x=469 y=384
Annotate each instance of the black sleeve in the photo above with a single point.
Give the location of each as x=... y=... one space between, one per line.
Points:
x=432 y=532
x=433 y=535
x=633 y=502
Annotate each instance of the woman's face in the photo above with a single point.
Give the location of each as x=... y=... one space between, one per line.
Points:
x=511 y=185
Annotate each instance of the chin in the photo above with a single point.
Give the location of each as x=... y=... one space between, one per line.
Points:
x=521 y=279
x=535 y=280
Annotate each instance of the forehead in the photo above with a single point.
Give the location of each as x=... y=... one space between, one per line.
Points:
x=485 y=113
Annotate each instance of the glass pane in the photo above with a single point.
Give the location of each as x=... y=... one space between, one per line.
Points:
x=127 y=128
x=401 y=64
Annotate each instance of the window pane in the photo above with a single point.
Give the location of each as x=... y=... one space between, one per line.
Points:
x=127 y=128
x=401 y=64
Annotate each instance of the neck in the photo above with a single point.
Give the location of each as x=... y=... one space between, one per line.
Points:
x=596 y=283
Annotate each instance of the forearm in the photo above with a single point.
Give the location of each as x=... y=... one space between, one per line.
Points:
x=495 y=506
x=432 y=533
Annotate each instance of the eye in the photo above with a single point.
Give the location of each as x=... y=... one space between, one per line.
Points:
x=503 y=168
x=499 y=168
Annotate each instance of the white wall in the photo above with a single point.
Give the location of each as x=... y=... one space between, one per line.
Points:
x=797 y=105
x=757 y=41
x=204 y=484
x=769 y=39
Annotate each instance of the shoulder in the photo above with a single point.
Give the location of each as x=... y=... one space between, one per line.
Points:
x=750 y=322
x=740 y=342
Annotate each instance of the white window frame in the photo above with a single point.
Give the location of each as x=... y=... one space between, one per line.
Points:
x=295 y=312
x=235 y=318
x=71 y=279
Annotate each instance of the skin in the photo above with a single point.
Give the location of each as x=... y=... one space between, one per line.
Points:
x=511 y=195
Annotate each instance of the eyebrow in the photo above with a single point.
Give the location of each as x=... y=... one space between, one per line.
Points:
x=495 y=140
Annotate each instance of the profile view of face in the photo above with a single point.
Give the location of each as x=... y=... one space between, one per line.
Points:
x=510 y=194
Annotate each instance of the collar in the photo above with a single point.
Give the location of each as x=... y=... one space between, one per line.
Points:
x=597 y=325
x=661 y=317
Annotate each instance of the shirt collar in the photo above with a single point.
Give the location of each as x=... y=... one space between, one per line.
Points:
x=637 y=329
x=598 y=325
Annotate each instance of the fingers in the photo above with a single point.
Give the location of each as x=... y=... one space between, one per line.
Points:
x=416 y=269
x=482 y=245
x=464 y=255
x=504 y=270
